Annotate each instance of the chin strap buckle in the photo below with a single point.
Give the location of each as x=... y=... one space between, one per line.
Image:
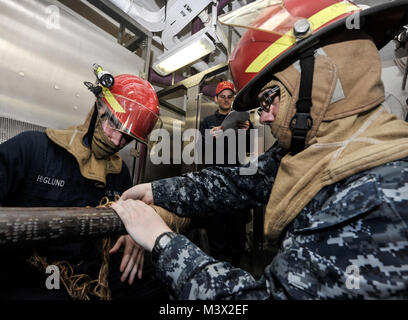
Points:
x=300 y=125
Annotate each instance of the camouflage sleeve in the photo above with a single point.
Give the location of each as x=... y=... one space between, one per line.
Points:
x=350 y=242
x=219 y=188
x=193 y=275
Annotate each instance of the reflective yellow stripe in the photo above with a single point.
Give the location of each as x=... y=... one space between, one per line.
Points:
x=271 y=53
x=112 y=101
x=331 y=13
x=287 y=40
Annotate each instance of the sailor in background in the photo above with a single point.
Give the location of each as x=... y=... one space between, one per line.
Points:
x=226 y=230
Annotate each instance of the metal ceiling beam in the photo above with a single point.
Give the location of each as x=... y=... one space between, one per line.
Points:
x=172 y=107
x=133 y=44
x=91 y=15
x=193 y=80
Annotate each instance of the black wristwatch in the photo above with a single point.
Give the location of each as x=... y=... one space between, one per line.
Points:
x=161 y=241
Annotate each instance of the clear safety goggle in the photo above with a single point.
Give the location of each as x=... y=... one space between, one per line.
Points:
x=114 y=124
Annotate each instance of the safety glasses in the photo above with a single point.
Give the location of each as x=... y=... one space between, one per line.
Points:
x=266 y=99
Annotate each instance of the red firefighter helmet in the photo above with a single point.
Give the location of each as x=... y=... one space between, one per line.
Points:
x=132 y=106
x=272 y=43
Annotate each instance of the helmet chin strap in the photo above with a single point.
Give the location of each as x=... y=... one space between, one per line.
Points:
x=92 y=124
x=302 y=122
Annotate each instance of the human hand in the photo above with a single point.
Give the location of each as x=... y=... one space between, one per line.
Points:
x=243 y=125
x=139 y=192
x=217 y=131
x=133 y=258
x=142 y=222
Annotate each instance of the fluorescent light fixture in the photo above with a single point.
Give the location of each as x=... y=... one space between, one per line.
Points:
x=189 y=51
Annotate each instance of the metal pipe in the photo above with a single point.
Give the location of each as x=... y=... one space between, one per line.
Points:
x=22 y=225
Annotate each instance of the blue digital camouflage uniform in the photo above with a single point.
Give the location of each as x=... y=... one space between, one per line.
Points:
x=349 y=242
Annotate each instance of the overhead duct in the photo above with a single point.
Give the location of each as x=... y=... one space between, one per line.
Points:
x=151 y=20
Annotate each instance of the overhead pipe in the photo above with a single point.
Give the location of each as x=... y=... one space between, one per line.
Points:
x=152 y=20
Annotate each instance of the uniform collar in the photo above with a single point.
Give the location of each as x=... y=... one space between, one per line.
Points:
x=219 y=115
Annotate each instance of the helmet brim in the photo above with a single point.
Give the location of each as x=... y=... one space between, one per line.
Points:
x=382 y=23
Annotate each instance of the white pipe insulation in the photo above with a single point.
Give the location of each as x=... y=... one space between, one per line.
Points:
x=154 y=21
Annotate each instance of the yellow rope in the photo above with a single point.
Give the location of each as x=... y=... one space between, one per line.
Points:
x=79 y=286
